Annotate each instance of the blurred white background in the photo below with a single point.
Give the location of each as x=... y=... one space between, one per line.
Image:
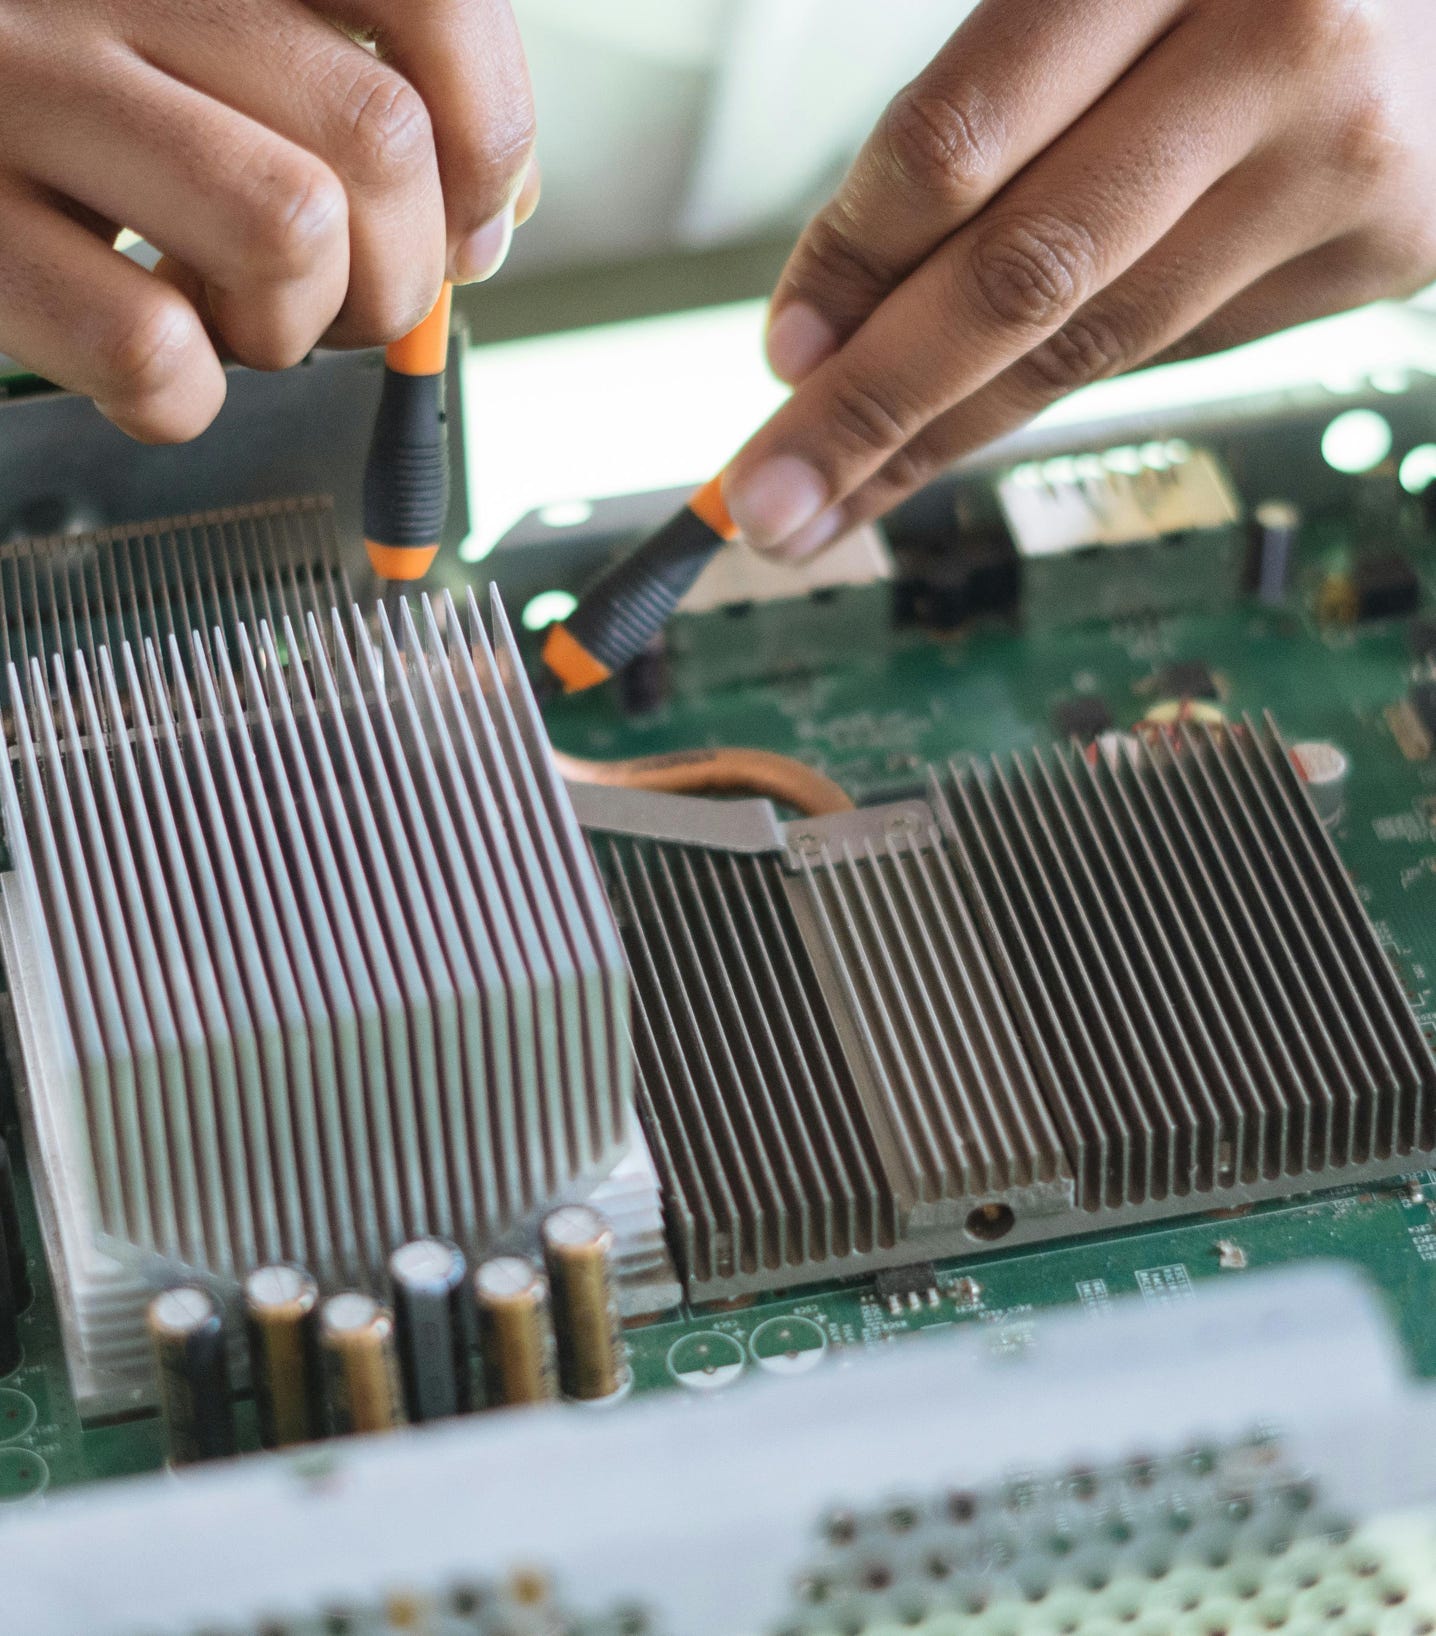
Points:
x=666 y=123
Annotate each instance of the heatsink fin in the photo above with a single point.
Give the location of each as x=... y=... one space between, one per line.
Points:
x=321 y=956
x=1066 y=992
x=214 y=570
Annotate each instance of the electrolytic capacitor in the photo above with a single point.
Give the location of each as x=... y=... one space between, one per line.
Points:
x=191 y=1347
x=1276 y=524
x=11 y=1349
x=361 y=1378
x=432 y=1312
x=578 y=1253
x=280 y=1305
x=1324 y=769
x=10 y=1229
x=515 y=1333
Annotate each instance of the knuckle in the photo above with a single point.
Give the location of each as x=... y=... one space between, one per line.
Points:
x=1087 y=348
x=947 y=144
x=1306 y=38
x=140 y=359
x=1030 y=272
x=1396 y=262
x=1421 y=255
x=1316 y=25
x=865 y=421
x=272 y=346
x=301 y=212
x=842 y=261
x=1370 y=141
x=383 y=314
x=913 y=466
x=388 y=128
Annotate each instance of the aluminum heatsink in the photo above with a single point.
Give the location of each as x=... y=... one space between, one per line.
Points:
x=308 y=953
x=1063 y=994
x=76 y=593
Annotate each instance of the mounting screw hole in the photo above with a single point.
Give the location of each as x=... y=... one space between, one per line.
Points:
x=990 y=1222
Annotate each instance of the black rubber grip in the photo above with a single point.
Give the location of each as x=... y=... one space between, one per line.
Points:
x=626 y=607
x=406 y=482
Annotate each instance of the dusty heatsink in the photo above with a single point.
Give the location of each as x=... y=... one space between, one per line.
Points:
x=309 y=955
x=1062 y=994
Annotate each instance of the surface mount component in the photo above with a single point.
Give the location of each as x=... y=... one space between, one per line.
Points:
x=1083 y=717
x=308 y=957
x=1386 y=585
x=1065 y=993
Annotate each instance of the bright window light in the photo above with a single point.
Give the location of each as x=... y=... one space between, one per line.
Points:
x=659 y=402
x=617 y=409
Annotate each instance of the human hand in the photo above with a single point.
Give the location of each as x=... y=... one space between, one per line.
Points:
x=300 y=187
x=1074 y=188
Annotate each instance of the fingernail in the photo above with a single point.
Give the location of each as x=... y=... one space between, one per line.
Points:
x=799 y=338
x=807 y=542
x=484 y=251
x=774 y=500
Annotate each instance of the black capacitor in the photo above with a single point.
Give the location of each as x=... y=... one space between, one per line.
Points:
x=432 y=1315
x=1276 y=525
x=11 y=1351
x=14 y=1282
x=187 y=1331
x=20 y=1283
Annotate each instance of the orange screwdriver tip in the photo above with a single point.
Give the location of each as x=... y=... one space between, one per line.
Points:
x=425 y=349
x=400 y=562
x=710 y=507
x=574 y=667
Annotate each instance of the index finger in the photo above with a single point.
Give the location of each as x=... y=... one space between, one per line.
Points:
x=1004 y=87
x=465 y=59
x=1118 y=183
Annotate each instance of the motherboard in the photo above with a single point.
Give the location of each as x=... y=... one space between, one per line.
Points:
x=1030 y=904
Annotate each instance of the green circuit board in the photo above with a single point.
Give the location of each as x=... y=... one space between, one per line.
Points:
x=872 y=722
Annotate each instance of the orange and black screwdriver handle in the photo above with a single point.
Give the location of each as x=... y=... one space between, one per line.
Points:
x=626 y=607
x=406 y=480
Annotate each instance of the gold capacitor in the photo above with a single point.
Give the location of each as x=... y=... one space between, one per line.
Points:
x=361 y=1373
x=515 y=1332
x=280 y=1304
x=578 y=1254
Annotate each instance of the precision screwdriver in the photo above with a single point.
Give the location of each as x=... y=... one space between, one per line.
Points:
x=406 y=479
x=626 y=607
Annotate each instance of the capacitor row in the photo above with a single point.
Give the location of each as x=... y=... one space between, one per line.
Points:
x=349 y=1363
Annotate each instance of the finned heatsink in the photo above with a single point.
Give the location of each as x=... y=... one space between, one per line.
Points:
x=310 y=955
x=1065 y=993
x=77 y=593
